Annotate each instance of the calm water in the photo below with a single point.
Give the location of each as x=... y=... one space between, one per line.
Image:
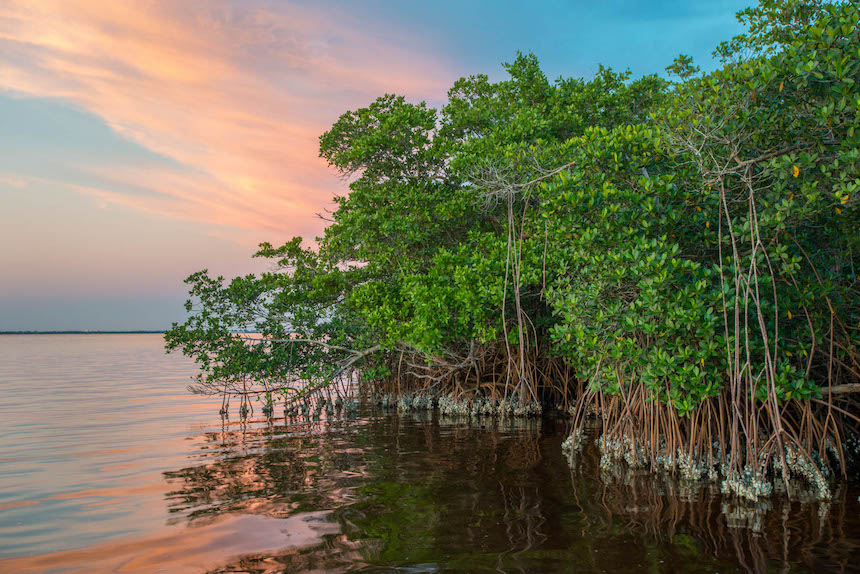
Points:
x=107 y=464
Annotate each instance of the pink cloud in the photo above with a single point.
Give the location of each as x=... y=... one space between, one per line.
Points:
x=13 y=182
x=237 y=94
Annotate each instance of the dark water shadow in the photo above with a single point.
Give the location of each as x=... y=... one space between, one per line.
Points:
x=424 y=494
x=421 y=493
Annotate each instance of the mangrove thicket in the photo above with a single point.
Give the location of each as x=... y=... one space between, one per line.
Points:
x=672 y=261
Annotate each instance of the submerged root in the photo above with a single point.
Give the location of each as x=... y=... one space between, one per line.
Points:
x=750 y=459
x=573 y=442
x=449 y=405
x=747 y=484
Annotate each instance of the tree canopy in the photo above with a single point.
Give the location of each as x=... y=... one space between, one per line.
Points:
x=690 y=244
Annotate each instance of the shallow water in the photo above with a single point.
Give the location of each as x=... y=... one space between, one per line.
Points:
x=107 y=464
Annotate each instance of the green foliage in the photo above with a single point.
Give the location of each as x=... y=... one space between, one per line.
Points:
x=645 y=230
x=683 y=67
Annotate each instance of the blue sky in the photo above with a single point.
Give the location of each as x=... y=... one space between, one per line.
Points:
x=142 y=143
x=569 y=37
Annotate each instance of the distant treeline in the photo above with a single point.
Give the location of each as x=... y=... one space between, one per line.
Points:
x=99 y=332
x=78 y=332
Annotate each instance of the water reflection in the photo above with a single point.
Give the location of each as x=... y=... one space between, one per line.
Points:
x=775 y=535
x=108 y=465
x=424 y=495
x=264 y=468
x=204 y=548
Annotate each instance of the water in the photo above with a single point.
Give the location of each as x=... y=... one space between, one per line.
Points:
x=107 y=464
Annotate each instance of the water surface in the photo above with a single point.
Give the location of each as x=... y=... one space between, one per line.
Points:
x=107 y=464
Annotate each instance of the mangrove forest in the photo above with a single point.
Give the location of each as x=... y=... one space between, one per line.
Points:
x=668 y=261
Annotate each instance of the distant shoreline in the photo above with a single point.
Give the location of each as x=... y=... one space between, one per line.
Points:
x=81 y=332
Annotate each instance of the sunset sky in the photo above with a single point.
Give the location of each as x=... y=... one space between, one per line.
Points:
x=142 y=141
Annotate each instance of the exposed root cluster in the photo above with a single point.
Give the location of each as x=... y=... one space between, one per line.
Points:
x=694 y=451
x=459 y=406
x=313 y=408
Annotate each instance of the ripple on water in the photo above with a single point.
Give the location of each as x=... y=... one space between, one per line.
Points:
x=108 y=464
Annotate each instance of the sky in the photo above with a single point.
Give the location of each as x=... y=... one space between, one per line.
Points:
x=141 y=141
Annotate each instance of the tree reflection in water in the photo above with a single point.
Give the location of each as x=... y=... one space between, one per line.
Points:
x=446 y=494
x=266 y=468
x=779 y=534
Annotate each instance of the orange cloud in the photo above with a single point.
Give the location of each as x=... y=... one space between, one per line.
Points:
x=236 y=94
